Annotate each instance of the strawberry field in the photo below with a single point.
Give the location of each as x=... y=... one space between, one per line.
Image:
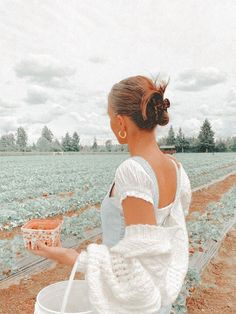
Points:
x=40 y=186
x=45 y=186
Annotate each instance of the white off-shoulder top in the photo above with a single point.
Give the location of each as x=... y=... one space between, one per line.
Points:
x=132 y=180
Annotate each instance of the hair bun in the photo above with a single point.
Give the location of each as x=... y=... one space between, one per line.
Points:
x=166 y=104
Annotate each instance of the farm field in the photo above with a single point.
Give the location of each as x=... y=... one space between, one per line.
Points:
x=73 y=186
x=217 y=291
x=40 y=186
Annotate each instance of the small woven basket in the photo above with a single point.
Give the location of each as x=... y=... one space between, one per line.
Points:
x=44 y=230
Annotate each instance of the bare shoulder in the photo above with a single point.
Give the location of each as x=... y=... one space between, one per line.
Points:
x=172 y=157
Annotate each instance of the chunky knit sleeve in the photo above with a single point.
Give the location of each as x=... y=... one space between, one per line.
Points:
x=144 y=271
x=186 y=191
x=132 y=180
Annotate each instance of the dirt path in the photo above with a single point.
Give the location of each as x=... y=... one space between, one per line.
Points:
x=20 y=298
x=200 y=199
x=217 y=292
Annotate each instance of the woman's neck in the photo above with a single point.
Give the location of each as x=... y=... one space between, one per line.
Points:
x=144 y=145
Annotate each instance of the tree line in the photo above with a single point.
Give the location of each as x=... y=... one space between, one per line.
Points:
x=47 y=142
x=204 y=142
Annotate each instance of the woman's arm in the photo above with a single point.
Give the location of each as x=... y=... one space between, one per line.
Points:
x=143 y=214
x=59 y=254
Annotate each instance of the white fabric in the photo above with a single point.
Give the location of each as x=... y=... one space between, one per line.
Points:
x=132 y=180
x=145 y=270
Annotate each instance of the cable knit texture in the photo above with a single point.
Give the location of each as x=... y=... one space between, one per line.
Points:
x=146 y=268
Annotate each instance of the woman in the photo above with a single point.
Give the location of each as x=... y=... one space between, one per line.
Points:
x=143 y=259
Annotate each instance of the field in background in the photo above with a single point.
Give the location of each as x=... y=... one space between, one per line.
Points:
x=35 y=186
x=41 y=186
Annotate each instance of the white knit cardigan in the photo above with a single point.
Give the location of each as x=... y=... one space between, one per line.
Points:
x=145 y=270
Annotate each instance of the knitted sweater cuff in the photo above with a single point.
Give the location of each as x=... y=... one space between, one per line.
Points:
x=139 y=239
x=148 y=232
x=145 y=239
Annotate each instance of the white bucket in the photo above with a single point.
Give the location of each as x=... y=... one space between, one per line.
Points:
x=49 y=299
x=64 y=297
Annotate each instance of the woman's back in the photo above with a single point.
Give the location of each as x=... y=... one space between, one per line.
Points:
x=166 y=177
x=147 y=187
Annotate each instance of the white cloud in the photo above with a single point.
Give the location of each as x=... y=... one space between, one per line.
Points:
x=5 y=112
x=191 y=126
x=97 y=59
x=47 y=116
x=211 y=110
x=44 y=70
x=73 y=60
x=36 y=95
x=78 y=117
x=91 y=115
x=199 y=79
x=8 y=124
x=231 y=98
x=7 y=108
x=7 y=105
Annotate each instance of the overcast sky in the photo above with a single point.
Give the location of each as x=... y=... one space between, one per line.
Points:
x=60 y=58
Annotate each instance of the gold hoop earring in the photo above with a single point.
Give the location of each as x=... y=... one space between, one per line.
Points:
x=122 y=136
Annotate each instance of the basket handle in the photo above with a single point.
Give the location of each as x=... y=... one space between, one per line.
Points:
x=68 y=288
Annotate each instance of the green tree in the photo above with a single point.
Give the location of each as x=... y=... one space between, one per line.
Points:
x=66 y=143
x=171 y=137
x=75 y=142
x=206 y=137
x=7 y=142
x=179 y=141
x=193 y=144
x=56 y=146
x=34 y=147
x=95 y=145
x=46 y=133
x=232 y=145
x=108 y=145
x=21 y=139
x=43 y=144
x=220 y=146
x=162 y=141
x=122 y=147
x=185 y=143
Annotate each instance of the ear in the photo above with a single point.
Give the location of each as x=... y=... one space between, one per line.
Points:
x=121 y=120
x=138 y=211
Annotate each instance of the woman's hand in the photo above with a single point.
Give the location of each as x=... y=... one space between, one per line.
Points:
x=57 y=253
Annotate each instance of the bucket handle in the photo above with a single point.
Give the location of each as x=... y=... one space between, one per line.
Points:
x=68 y=288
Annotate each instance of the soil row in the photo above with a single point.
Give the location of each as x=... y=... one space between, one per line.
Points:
x=20 y=298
